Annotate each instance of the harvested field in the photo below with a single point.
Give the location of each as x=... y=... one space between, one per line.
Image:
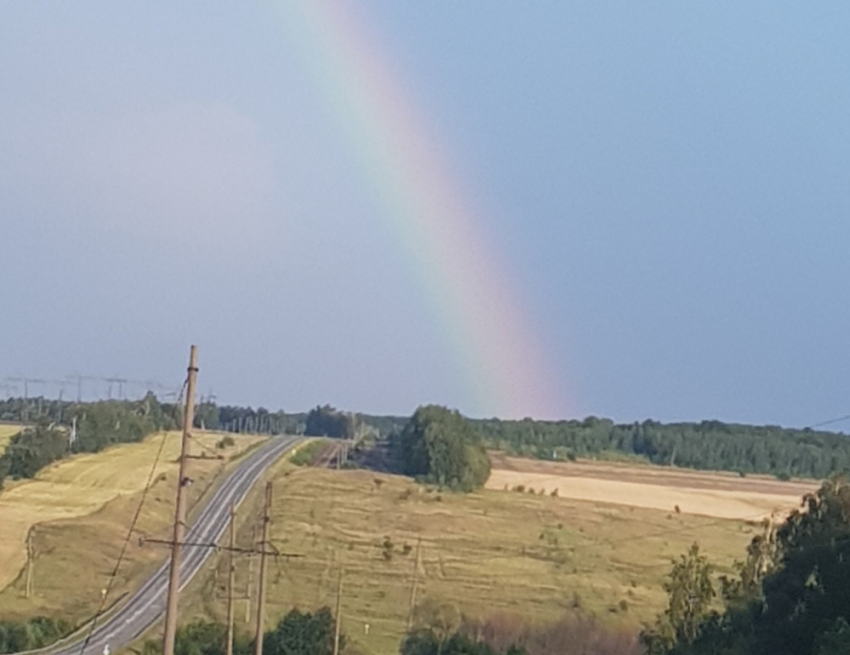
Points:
x=721 y=495
x=482 y=553
x=80 y=509
x=7 y=431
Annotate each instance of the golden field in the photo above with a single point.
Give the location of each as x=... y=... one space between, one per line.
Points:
x=7 y=431
x=719 y=495
x=80 y=509
x=493 y=551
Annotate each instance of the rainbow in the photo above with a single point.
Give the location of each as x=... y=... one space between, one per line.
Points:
x=478 y=309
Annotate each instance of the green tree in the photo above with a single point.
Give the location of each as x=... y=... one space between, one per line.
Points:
x=443 y=447
x=206 y=416
x=798 y=605
x=810 y=589
x=690 y=592
x=31 y=449
x=836 y=641
x=302 y=633
x=329 y=422
x=35 y=633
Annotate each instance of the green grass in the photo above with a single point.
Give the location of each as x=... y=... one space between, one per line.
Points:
x=306 y=452
x=487 y=552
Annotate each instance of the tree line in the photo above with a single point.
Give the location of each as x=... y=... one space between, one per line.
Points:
x=711 y=445
x=437 y=630
x=87 y=428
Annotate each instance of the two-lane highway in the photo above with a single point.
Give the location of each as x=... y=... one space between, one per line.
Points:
x=147 y=605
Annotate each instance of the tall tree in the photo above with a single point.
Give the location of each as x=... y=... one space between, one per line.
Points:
x=443 y=447
x=690 y=592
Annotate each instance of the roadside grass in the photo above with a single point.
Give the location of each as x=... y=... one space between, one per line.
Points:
x=484 y=553
x=80 y=510
x=307 y=451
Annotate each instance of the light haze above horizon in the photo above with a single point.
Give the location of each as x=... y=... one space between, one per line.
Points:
x=665 y=187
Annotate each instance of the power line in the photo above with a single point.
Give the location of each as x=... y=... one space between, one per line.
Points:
x=126 y=542
x=829 y=422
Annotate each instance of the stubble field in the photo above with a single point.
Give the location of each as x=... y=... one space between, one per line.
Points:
x=79 y=511
x=715 y=494
x=7 y=431
x=490 y=552
x=485 y=553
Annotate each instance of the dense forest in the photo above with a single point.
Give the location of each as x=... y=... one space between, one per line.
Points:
x=707 y=445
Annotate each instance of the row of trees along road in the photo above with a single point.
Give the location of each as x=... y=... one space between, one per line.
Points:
x=791 y=594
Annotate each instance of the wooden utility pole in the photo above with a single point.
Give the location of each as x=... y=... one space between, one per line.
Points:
x=30 y=564
x=416 y=566
x=261 y=588
x=250 y=575
x=338 y=610
x=180 y=510
x=230 y=576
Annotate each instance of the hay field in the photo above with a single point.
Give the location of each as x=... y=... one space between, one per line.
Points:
x=80 y=509
x=6 y=433
x=720 y=495
x=486 y=552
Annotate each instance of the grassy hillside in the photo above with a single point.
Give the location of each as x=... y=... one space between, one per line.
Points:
x=80 y=509
x=6 y=434
x=491 y=551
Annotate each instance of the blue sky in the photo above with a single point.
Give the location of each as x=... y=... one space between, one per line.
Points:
x=668 y=184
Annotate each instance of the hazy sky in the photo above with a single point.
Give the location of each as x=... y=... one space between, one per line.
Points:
x=666 y=186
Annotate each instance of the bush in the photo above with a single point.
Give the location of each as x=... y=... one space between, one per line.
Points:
x=32 y=449
x=226 y=442
x=511 y=635
x=35 y=633
x=387 y=548
x=307 y=453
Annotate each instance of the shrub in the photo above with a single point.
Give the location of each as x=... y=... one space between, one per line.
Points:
x=226 y=442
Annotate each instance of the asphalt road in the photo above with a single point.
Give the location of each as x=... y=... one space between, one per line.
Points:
x=147 y=605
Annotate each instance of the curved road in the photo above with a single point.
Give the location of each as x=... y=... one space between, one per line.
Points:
x=147 y=605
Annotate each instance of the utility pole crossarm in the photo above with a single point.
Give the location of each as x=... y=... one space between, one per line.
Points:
x=206 y=544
